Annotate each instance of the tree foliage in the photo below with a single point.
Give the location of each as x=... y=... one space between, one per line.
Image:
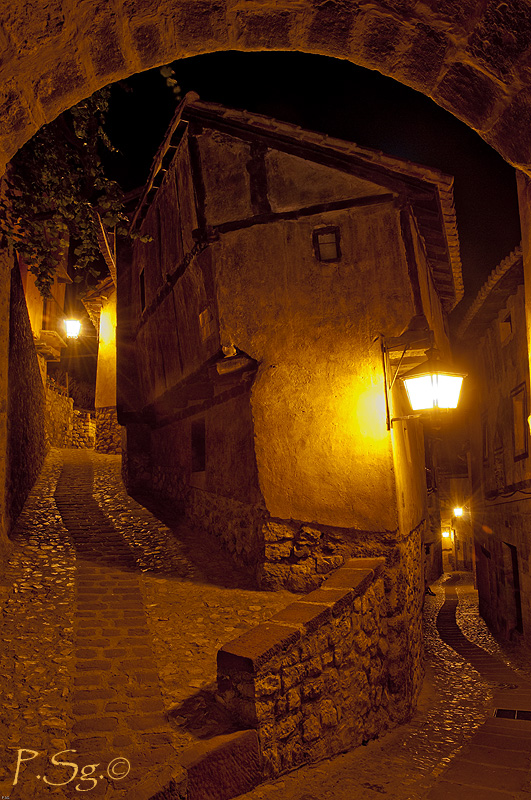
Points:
x=55 y=186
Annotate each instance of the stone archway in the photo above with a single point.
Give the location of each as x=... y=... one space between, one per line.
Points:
x=471 y=58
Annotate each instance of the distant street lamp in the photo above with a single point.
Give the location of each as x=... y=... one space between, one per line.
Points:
x=73 y=328
x=432 y=384
x=458 y=511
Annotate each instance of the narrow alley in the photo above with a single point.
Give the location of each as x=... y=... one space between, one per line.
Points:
x=111 y=630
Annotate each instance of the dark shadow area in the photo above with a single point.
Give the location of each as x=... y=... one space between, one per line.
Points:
x=202 y=716
x=203 y=548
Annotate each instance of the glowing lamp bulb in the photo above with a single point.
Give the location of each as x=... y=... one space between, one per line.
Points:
x=446 y=533
x=73 y=327
x=458 y=511
x=431 y=385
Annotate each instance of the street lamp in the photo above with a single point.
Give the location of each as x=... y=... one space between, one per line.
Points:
x=73 y=328
x=458 y=511
x=433 y=384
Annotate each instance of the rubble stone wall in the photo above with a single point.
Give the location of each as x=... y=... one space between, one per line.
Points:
x=59 y=418
x=84 y=430
x=108 y=431
x=320 y=677
x=25 y=445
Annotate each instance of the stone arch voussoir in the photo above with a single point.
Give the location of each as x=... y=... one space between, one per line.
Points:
x=471 y=58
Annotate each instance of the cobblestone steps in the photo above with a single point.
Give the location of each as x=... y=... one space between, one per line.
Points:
x=111 y=621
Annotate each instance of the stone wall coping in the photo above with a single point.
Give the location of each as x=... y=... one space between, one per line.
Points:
x=254 y=648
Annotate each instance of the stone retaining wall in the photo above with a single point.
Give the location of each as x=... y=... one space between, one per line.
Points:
x=84 y=430
x=108 y=431
x=59 y=417
x=316 y=679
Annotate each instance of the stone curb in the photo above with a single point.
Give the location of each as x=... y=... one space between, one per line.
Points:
x=215 y=769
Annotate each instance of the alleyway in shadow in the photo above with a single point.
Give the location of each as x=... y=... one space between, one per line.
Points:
x=111 y=621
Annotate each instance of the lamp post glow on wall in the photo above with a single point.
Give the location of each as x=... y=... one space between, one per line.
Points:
x=73 y=328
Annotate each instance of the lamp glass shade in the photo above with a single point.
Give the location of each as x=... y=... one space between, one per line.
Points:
x=73 y=327
x=431 y=385
x=433 y=391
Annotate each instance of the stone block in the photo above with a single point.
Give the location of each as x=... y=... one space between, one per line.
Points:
x=307 y=615
x=224 y=766
x=273 y=576
x=278 y=550
x=202 y=23
x=256 y=647
x=468 y=93
x=147 y=42
x=424 y=59
x=346 y=578
x=311 y=689
x=267 y=685
x=337 y=598
x=332 y=26
x=308 y=535
x=381 y=36
x=302 y=582
x=293 y=699
x=277 y=532
x=292 y=676
x=324 y=564
x=502 y=35
x=328 y=713
x=55 y=87
x=511 y=134
x=311 y=729
x=286 y=726
x=261 y=30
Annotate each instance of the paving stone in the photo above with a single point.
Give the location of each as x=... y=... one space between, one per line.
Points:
x=162 y=599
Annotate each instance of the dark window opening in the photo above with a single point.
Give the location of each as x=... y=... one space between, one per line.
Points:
x=326 y=244
x=520 y=424
x=142 y=291
x=198 y=437
x=506 y=328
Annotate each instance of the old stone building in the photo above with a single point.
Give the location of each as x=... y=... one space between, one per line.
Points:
x=495 y=328
x=254 y=339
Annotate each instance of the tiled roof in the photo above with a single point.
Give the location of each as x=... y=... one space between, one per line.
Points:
x=502 y=282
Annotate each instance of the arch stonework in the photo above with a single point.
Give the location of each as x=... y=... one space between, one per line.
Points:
x=473 y=58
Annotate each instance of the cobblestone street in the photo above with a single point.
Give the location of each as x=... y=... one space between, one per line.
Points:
x=110 y=632
x=111 y=623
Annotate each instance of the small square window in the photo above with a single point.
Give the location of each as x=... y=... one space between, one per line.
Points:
x=326 y=244
x=506 y=328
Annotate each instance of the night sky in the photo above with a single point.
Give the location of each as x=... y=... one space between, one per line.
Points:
x=342 y=100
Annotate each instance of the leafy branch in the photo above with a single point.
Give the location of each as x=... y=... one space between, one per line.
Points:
x=53 y=188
